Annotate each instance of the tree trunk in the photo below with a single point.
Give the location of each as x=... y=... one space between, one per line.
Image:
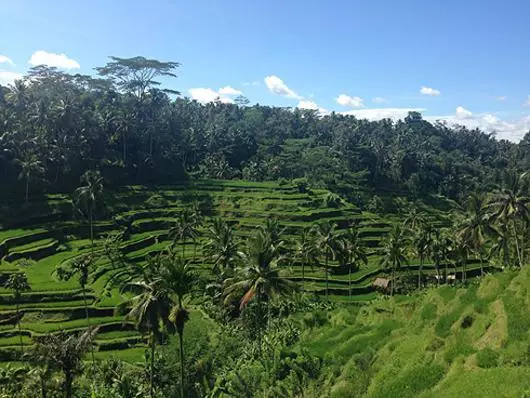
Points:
x=68 y=382
x=27 y=188
x=43 y=388
x=349 y=282
x=393 y=280
x=420 y=271
x=519 y=260
x=327 y=277
x=91 y=222
x=83 y=287
x=181 y=340
x=303 y=276
x=183 y=246
x=437 y=274
x=19 y=329
x=152 y=367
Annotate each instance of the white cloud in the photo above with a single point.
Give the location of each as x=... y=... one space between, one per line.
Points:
x=277 y=86
x=382 y=113
x=254 y=83
x=311 y=105
x=462 y=113
x=379 y=100
x=527 y=101
x=9 y=77
x=227 y=90
x=205 y=95
x=501 y=98
x=6 y=60
x=429 y=91
x=513 y=130
x=352 y=102
x=53 y=59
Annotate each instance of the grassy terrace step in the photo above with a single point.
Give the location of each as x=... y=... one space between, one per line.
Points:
x=34 y=251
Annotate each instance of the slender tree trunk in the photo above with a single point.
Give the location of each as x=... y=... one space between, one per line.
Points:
x=27 y=189
x=519 y=260
x=420 y=271
x=152 y=366
x=19 y=328
x=68 y=382
x=43 y=388
x=481 y=264
x=83 y=287
x=183 y=246
x=393 y=280
x=327 y=277
x=91 y=222
x=303 y=276
x=181 y=341
x=349 y=281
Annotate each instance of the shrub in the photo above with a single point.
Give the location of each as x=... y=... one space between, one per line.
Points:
x=487 y=358
x=156 y=200
x=428 y=311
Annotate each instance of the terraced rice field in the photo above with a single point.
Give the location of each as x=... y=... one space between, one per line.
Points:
x=44 y=236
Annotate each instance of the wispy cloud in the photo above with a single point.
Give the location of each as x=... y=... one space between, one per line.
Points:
x=277 y=86
x=430 y=91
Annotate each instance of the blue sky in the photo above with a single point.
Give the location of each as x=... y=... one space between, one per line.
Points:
x=368 y=58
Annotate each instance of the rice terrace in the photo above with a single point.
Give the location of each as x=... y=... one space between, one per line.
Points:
x=165 y=234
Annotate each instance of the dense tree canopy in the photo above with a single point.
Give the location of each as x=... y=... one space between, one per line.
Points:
x=54 y=126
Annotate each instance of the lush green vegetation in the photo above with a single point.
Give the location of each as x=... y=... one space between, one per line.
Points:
x=260 y=251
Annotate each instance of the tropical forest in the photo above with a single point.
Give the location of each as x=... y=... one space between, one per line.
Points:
x=156 y=245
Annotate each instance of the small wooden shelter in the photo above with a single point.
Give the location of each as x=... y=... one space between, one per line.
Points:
x=382 y=283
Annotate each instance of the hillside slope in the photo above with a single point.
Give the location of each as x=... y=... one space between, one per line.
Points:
x=446 y=342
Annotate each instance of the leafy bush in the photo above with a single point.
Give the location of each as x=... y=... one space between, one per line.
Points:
x=428 y=311
x=156 y=200
x=487 y=358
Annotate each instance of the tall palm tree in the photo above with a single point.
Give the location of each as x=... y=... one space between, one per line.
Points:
x=354 y=251
x=476 y=227
x=421 y=241
x=274 y=230
x=327 y=243
x=259 y=276
x=88 y=197
x=179 y=280
x=438 y=251
x=30 y=167
x=306 y=252
x=64 y=352
x=150 y=307
x=80 y=266
x=221 y=247
x=394 y=253
x=185 y=227
x=414 y=219
x=460 y=254
x=18 y=283
x=511 y=205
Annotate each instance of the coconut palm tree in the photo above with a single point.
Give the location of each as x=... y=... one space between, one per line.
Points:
x=476 y=227
x=274 y=230
x=259 y=276
x=64 y=352
x=512 y=204
x=179 y=280
x=438 y=251
x=306 y=252
x=185 y=227
x=354 y=252
x=327 y=243
x=30 y=167
x=150 y=307
x=421 y=241
x=221 y=248
x=81 y=267
x=460 y=254
x=87 y=198
x=394 y=253
x=18 y=283
x=414 y=219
